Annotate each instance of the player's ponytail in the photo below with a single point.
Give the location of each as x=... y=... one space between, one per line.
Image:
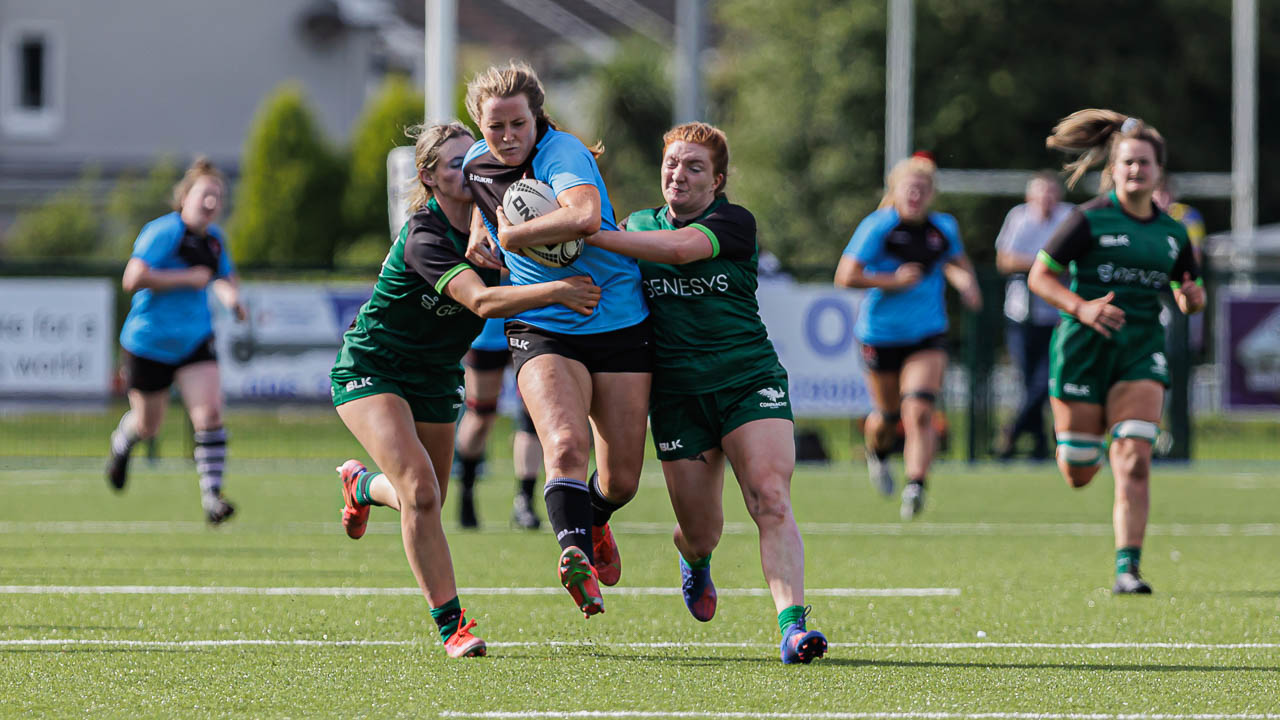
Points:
x=514 y=78
x=1093 y=135
x=428 y=139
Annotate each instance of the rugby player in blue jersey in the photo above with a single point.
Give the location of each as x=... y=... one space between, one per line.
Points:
x=580 y=376
x=901 y=254
x=168 y=335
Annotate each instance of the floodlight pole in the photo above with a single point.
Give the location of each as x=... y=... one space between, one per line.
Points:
x=898 y=82
x=689 y=39
x=440 y=57
x=1244 y=131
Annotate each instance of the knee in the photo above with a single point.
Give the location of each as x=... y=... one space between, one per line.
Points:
x=423 y=494
x=1079 y=457
x=146 y=428
x=769 y=503
x=206 y=418
x=564 y=449
x=1131 y=466
x=701 y=541
x=1078 y=476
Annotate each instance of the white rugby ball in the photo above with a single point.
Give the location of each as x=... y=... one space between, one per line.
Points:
x=527 y=199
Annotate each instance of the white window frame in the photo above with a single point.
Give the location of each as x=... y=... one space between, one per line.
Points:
x=21 y=123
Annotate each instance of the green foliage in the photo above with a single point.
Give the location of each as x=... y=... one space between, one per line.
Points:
x=803 y=85
x=68 y=225
x=802 y=89
x=633 y=111
x=380 y=128
x=288 y=201
x=136 y=201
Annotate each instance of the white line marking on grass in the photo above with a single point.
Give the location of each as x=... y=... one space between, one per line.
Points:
x=164 y=527
x=158 y=644
x=481 y=591
x=497 y=715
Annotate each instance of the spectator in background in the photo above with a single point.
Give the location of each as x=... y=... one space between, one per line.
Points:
x=1030 y=320
x=168 y=334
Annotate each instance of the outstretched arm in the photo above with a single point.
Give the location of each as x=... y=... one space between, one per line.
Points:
x=673 y=247
x=959 y=272
x=575 y=292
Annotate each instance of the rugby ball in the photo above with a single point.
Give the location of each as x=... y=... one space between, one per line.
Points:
x=527 y=199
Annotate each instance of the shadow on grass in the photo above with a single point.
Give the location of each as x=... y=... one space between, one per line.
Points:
x=1269 y=594
x=764 y=661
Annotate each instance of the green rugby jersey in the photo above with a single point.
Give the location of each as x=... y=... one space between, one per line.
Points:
x=409 y=325
x=1108 y=250
x=706 y=321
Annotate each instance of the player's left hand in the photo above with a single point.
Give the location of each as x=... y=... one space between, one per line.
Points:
x=971 y=297
x=1190 y=295
x=239 y=312
x=503 y=225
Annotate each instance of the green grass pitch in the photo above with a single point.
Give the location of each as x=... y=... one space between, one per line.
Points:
x=1011 y=615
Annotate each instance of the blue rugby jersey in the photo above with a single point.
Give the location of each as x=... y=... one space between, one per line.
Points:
x=882 y=243
x=563 y=162
x=168 y=325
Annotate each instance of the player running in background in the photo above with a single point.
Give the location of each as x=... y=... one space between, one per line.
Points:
x=579 y=376
x=168 y=334
x=901 y=253
x=718 y=389
x=1108 y=368
x=484 y=365
x=397 y=381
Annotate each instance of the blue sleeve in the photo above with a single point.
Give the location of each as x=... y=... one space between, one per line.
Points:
x=868 y=239
x=951 y=229
x=158 y=241
x=565 y=163
x=226 y=268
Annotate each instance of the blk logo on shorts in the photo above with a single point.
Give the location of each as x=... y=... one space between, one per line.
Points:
x=1074 y=389
x=363 y=382
x=676 y=444
x=518 y=343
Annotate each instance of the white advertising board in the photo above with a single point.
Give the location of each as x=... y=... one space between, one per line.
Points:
x=56 y=336
x=285 y=348
x=811 y=327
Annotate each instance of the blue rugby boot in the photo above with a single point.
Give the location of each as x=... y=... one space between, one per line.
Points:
x=699 y=592
x=800 y=645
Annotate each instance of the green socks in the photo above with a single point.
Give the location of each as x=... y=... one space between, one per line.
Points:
x=793 y=615
x=1127 y=559
x=362 y=488
x=702 y=564
x=447 y=617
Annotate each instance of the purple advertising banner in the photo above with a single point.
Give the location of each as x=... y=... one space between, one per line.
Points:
x=1249 y=349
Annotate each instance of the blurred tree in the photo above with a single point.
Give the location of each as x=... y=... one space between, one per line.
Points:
x=396 y=106
x=802 y=90
x=288 y=202
x=68 y=225
x=634 y=110
x=803 y=93
x=135 y=201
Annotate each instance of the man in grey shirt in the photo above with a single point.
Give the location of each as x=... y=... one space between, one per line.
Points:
x=1029 y=319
